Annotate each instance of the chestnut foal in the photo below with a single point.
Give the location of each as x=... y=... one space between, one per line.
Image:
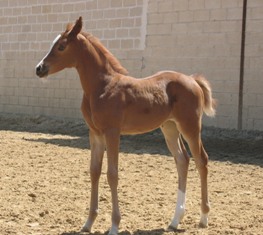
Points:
x=114 y=104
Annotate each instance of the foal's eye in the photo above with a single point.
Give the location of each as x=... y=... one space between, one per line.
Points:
x=61 y=47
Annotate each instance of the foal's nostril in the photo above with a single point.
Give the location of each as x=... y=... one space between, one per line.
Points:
x=41 y=70
x=38 y=68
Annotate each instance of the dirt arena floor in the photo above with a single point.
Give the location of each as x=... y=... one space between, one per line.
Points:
x=45 y=186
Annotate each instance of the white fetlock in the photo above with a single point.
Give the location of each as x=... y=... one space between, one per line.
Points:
x=86 y=227
x=172 y=228
x=179 y=211
x=203 y=221
x=179 y=215
x=114 y=230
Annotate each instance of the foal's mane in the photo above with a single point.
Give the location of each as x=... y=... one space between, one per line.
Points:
x=112 y=63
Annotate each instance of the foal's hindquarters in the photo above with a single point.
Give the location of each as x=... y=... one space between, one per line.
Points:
x=185 y=121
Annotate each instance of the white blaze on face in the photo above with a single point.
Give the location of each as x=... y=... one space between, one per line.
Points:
x=53 y=43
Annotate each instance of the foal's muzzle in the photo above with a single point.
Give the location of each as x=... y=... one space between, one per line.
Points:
x=41 y=70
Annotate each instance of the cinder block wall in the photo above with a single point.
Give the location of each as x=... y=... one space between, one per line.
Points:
x=191 y=36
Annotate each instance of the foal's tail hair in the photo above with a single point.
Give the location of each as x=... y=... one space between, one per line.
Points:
x=209 y=101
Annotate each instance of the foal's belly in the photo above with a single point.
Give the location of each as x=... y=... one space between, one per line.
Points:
x=144 y=121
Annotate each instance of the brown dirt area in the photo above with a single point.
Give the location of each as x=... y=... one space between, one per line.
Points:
x=45 y=185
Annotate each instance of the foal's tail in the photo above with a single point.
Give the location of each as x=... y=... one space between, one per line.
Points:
x=209 y=102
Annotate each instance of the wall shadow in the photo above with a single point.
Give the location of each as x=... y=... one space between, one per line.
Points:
x=239 y=147
x=150 y=143
x=219 y=147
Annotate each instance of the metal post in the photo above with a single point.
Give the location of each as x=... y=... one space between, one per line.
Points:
x=242 y=60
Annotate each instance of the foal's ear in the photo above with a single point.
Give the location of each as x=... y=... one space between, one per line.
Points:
x=76 y=28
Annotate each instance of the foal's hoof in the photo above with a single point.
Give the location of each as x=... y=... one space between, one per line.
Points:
x=201 y=225
x=85 y=229
x=110 y=233
x=203 y=221
x=171 y=229
x=113 y=231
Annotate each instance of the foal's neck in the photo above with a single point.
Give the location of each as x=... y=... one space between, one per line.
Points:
x=93 y=77
x=94 y=69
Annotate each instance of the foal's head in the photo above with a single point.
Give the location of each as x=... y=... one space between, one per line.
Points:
x=61 y=54
x=67 y=48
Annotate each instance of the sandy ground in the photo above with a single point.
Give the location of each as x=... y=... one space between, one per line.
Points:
x=45 y=186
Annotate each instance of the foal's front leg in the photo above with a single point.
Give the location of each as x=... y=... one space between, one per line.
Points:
x=97 y=145
x=112 y=145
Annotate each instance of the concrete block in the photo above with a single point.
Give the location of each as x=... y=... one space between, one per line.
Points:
x=122 y=33
x=196 y=4
x=170 y=17
x=215 y=4
x=122 y=13
x=129 y=22
x=23 y=101
x=37 y=9
x=231 y=26
x=102 y=24
x=5 y=4
x=254 y=26
x=180 y=5
x=258 y=123
x=213 y=27
x=255 y=112
x=155 y=18
x=97 y=14
x=13 y=100
x=230 y=4
x=201 y=15
x=115 y=23
x=235 y=13
x=166 y=6
x=33 y=101
x=116 y=3
x=126 y=43
x=46 y=9
x=152 y=6
x=161 y=29
x=256 y=13
x=134 y=33
x=68 y=7
x=104 y=4
x=136 y=11
x=129 y=3
x=186 y=16
x=219 y=14
x=115 y=44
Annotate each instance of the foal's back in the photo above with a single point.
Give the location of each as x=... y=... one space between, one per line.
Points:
x=146 y=103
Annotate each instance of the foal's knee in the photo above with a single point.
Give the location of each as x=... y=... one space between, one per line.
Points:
x=201 y=162
x=112 y=176
x=182 y=159
x=95 y=172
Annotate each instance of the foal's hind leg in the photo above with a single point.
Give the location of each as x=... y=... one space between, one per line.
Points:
x=177 y=149
x=193 y=138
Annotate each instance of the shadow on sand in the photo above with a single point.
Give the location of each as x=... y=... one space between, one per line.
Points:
x=137 y=232
x=239 y=147
x=224 y=149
